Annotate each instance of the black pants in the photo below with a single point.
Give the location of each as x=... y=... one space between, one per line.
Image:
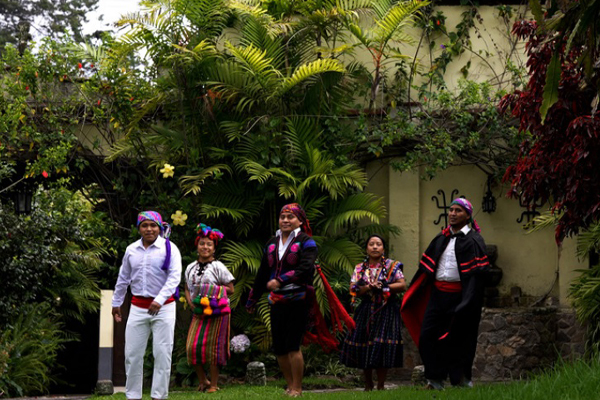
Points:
x=288 y=325
x=453 y=355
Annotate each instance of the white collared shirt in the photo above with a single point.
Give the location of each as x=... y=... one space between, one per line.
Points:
x=283 y=246
x=447 y=270
x=141 y=269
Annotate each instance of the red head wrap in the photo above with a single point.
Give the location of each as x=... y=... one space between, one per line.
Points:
x=295 y=209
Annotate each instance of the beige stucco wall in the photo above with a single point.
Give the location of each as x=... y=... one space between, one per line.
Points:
x=492 y=44
x=528 y=260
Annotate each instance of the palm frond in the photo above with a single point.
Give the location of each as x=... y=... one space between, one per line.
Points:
x=257 y=35
x=588 y=241
x=207 y=16
x=201 y=52
x=299 y=133
x=243 y=284
x=229 y=199
x=381 y=7
x=308 y=72
x=236 y=87
x=546 y=219
x=121 y=148
x=399 y=16
x=87 y=51
x=258 y=172
x=354 y=209
x=236 y=255
x=262 y=333
x=363 y=37
x=340 y=252
x=256 y=62
x=193 y=183
x=332 y=179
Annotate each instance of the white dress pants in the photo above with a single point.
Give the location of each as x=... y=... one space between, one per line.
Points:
x=139 y=326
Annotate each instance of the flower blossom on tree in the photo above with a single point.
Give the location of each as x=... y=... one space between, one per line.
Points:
x=168 y=171
x=179 y=218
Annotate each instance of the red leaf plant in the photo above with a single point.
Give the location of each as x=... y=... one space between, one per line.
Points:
x=560 y=158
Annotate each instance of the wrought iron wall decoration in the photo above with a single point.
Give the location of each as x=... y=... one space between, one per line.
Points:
x=488 y=204
x=445 y=205
x=530 y=211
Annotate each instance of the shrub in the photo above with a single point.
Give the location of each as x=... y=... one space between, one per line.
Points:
x=51 y=256
x=28 y=350
x=585 y=293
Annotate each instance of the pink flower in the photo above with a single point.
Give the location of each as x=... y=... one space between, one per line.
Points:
x=271 y=248
x=295 y=247
x=44 y=174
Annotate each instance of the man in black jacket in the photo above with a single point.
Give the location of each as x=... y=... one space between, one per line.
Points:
x=442 y=307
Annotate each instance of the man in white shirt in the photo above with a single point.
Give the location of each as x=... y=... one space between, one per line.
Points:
x=442 y=307
x=152 y=269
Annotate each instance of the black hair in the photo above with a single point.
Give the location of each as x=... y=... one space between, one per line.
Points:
x=378 y=237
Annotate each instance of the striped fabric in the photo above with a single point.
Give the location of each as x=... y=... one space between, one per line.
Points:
x=376 y=342
x=208 y=340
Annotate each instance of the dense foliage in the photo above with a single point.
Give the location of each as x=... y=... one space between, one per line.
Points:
x=234 y=109
x=49 y=267
x=449 y=128
x=51 y=256
x=558 y=162
x=28 y=349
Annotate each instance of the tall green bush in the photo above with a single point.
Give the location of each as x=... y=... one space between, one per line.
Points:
x=28 y=348
x=51 y=256
x=585 y=295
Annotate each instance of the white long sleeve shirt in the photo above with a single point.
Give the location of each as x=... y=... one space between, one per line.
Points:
x=141 y=269
x=447 y=270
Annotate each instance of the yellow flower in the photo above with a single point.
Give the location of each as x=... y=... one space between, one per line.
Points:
x=168 y=171
x=179 y=218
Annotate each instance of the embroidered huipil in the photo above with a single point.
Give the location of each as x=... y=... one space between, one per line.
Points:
x=141 y=269
x=215 y=272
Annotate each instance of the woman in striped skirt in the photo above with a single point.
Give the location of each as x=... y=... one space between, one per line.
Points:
x=376 y=343
x=208 y=285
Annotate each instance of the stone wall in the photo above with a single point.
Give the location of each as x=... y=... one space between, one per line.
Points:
x=514 y=343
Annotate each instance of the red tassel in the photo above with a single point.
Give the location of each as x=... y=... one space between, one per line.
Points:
x=337 y=310
x=322 y=336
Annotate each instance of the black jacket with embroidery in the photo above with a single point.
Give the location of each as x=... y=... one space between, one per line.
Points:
x=296 y=266
x=472 y=263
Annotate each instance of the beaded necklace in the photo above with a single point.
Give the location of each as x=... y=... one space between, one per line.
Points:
x=364 y=280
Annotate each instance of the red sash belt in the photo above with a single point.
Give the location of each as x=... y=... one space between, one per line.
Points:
x=144 y=302
x=448 y=287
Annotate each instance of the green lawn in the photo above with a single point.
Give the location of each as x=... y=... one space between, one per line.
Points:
x=566 y=382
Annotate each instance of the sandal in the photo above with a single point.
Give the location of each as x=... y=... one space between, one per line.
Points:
x=203 y=386
x=212 y=389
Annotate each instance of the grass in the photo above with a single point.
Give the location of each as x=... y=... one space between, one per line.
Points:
x=573 y=381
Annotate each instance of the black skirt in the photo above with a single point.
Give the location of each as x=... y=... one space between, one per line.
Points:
x=377 y=340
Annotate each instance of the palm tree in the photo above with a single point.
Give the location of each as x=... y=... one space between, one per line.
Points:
x=242 y=114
